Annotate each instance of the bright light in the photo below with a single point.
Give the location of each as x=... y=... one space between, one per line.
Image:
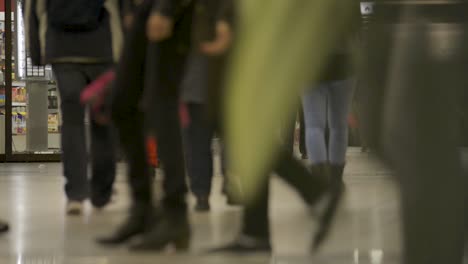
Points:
x=21 y=53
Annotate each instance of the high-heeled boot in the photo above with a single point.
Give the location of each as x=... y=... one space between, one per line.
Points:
x=136 y=223
x=172 y=230
x=335 y=194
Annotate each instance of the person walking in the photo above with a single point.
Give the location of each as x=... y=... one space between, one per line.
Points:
x=327 y=105
x=201 y=91
x=80 y=46
x=157 y=44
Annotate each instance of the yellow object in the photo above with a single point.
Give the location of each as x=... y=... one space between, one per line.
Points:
x=281 y=46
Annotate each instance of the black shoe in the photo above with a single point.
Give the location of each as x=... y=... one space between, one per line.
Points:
x=99 y=200
x=203 y=204
x=135 y=224
x=4 y=227
x=172 y=230
x=335 y=194
x=245 y=245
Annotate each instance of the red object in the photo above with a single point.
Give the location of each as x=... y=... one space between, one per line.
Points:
x=152 y=149
x=94 y=92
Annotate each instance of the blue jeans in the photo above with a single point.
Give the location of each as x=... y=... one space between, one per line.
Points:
x=327 y=104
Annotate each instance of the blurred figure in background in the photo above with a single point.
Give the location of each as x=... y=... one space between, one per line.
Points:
x=80 y=46
x=327 y=104
x=415 y=70
x=311 y=186
x=147 y=88
x=202 y=92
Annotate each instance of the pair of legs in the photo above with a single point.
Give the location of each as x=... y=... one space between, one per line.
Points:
x=72 y=79
x=327 y=105
x=163 y=65
x=310 y=185
x=198 y=140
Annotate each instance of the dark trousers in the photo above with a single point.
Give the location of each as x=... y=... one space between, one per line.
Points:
x=199 y=156
x=413 y=124
x=255 y=220
x=156 y=95
x=72 y=79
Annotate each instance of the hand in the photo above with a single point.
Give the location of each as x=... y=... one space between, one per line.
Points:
x=222 y=41
x=159 y=27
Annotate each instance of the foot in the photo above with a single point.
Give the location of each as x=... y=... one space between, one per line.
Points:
x=168 y=232
x=74 y=208
x=245 y=245
x=335 y=195
x=203 y=204
x=4 y=227
x=135 y=224
x=100 y=201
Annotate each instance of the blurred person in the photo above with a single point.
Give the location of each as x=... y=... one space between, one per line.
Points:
x=327 y=105
x=311 y=186
x=80 y=46
x=201 y=88
x=199 y=133
x=413 y=75
x=147 y=89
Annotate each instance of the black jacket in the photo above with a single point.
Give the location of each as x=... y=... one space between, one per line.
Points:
x=48 y=45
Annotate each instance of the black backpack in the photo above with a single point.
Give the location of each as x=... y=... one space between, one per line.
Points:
x=75 y=15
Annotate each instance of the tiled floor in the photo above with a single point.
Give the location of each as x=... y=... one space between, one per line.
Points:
x=367 y=230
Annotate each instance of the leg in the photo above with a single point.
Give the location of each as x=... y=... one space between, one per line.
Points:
x=129 y=121
x=102 y=152
x=166 y=63
x=314 y=103
x=339 y=101
x=199 y=136
x=103 y=166
x=71 y=80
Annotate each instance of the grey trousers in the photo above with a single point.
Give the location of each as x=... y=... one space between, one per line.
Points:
x=411 y=121
x=72 y=79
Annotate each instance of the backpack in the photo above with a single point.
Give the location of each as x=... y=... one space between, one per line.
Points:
x=75 y=15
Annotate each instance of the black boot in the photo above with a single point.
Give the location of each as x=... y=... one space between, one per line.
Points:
x=136 y=224
x=336 y=173
x=172 y=230
x=319 y=183
x=335 y=194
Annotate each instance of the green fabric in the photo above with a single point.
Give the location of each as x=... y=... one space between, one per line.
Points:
x=281 y=46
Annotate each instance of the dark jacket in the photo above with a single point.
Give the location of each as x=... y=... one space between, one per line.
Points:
x=204 y=75
x=48 y=45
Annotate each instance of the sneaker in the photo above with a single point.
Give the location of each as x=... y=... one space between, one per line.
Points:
x=74 y=208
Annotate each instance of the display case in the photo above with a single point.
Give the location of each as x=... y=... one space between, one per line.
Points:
x=29 y=102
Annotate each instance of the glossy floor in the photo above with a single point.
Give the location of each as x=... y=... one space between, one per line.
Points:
x=31 y=198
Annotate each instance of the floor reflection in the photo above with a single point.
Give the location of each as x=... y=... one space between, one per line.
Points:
x=366 y=231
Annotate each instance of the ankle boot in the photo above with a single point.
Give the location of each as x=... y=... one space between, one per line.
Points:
x=172 y=230
x=134 y=225
x=336 y=176
x=335 y=173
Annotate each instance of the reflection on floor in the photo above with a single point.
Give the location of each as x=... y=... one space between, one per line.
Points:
x=367 y=230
